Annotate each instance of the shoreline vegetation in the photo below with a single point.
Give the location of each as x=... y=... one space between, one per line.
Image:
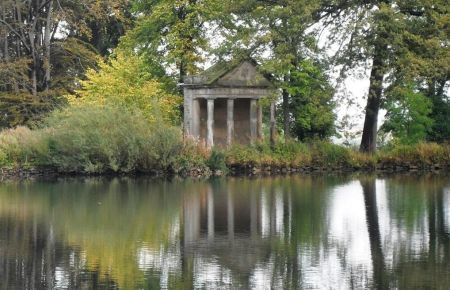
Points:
x=117 y=141
x=95 y=87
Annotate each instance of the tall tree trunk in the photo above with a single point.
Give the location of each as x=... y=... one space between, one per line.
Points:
x=33 y=36
x=369 y=137
x=286 y=112
x=47 y=46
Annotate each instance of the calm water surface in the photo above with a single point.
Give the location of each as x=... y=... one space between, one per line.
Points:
x=304 y=232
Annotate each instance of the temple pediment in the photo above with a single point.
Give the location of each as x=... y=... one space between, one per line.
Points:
x=231 y=74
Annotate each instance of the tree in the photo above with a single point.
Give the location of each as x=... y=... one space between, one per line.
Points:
x=311 y=103
x=276 y=34
x=126 y=82
x=408 y=115
x=42 y=41
x=440 y=114
x=425 y=62
x=171 y=35
x=106 y=22
x=389 y=33
x=364 y=31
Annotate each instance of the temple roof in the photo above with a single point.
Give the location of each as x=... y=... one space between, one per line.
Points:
x=244 y=73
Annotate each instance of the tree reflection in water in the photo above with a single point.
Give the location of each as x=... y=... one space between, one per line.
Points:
x=287 y=232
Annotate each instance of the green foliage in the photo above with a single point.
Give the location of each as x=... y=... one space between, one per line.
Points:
x=408 y=115
x=328 y=154
x=192 y=156
x=126 y=82
x=311 y=103
x=164 y=145
x=94 y=139
x=109 y=139
x=170 y=33
x=105 y=23
x=296 y=154
x=22 y=108
x=216 y=161
x=440 y=114
x=422 y=154
x=4 y=161
x=21 y=147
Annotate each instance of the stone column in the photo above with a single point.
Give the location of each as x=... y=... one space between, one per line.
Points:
x=253 y=120
x=210 y=124
x=187 y=112
x=195 y=126
x=260 y=121
x=230 y=121
x=272 y=124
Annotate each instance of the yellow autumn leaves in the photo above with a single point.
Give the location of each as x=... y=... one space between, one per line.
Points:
x=124 y=81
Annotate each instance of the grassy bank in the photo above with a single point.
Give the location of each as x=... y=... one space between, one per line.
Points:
x=114 y=140
x=328 y=156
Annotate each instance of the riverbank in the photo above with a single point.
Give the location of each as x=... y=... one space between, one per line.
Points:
x=117 y=147
x=250 y=161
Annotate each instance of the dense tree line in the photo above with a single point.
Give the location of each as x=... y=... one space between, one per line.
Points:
x=46 y=47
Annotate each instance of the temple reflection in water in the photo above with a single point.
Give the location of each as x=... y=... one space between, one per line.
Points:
x=291 y=232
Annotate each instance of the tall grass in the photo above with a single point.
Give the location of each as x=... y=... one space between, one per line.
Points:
x=422 y=154
x=94 y=140
x=21 y=146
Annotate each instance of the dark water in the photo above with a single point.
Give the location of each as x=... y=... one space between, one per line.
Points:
x=292 y=232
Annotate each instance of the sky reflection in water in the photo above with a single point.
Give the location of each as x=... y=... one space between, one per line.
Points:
x=312 y=232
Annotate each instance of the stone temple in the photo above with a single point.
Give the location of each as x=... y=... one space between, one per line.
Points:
x=222 y=105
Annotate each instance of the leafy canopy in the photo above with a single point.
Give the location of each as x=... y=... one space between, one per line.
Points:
x=408 y=115
x=125 y=81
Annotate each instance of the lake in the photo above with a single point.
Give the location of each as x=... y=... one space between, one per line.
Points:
x=308 y=232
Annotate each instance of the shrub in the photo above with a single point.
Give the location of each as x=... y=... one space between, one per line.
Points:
x=216 y=161
x=292 y=153
x=191 y=156
x=328 y=154
x=242 y=155
x=124 y=81
x=97 y=140
x=94 y=140
x=3 y=158
x=164 y=145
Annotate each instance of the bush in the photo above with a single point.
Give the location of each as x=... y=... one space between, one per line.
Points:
x=329 y=154
x=216 y=161
x=3 y=158
x=164 y=145
x=93 y=140
x=292 y=153
x=96 y=140
x=192 y=156
x=242 y=155
x=124 y=81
